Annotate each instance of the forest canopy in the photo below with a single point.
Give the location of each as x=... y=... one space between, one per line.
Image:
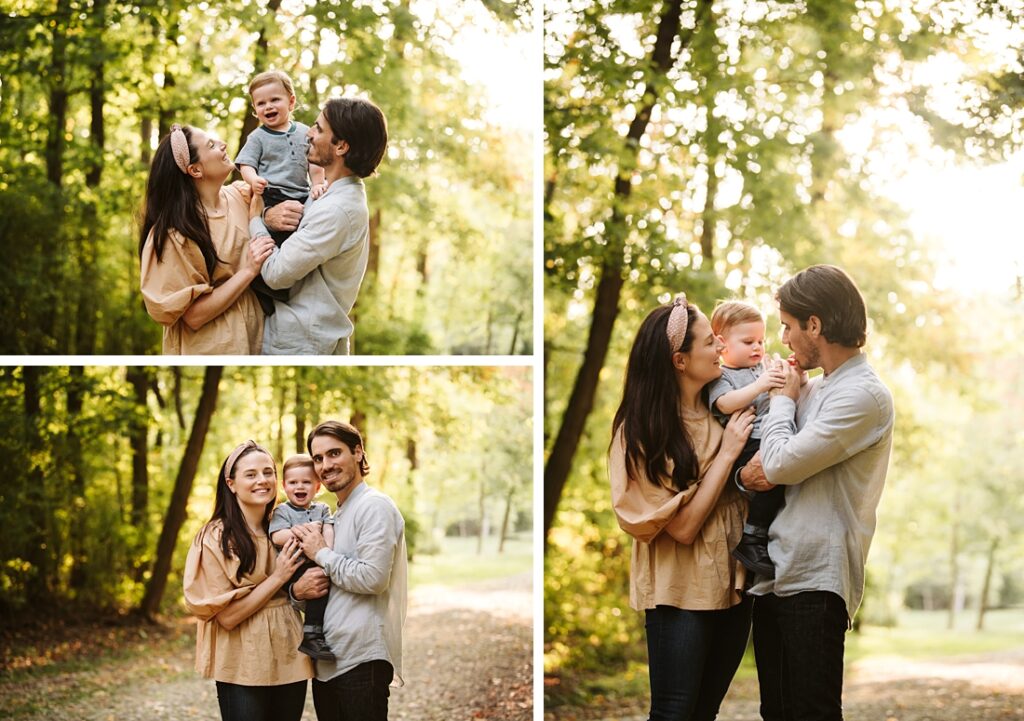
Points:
x=88 y=87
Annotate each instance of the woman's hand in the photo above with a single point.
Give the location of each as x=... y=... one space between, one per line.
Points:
x=260 y=249
x=737 y=431
x=288 y=560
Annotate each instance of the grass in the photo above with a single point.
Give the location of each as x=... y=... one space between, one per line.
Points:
x=923 y=634
x=458 y=562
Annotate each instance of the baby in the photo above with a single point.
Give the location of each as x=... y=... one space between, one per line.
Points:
x=745 y=381
x=301 y=485
x=273 y=159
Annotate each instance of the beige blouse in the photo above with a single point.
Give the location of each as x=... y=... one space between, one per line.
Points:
x=700 y=576
x=171 y=285
x=263 y=649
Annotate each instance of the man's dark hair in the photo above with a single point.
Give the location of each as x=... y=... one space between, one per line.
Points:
x=344 y=432
x=830 y=294
x=362 y=125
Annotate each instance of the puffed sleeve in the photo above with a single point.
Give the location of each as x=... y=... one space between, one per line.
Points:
x=242 y=189
x=209 y=579
x=642 y=508
x=170 y=285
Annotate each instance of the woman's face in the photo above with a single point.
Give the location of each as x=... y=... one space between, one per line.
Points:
x=213 y=158
x=255 y=479
x=701 y=362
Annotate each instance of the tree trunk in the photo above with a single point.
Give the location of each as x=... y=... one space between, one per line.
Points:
x=481 y=515
x=57 y=77
x=515 y=334
x=609 y=287
x=177 y=508
x=76 y=480
x=249 y=121
x=300 y=412
x=983 y=601
x=38 y=554
x=138 y=434
x=954 y=571
x=278 y=378
x=505 y=518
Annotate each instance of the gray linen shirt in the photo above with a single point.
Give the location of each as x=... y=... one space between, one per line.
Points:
x=323 y=263
x=368 y=571
x=831 y=450
x=733 y=379
x=279 y=157
x=287 y=515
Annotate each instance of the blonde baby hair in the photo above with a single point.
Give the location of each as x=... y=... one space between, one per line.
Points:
x=271 y=76
x=733 y=312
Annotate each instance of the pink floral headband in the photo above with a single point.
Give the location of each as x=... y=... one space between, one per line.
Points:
x=229 y=466
x=179 y=148
x=677 y=320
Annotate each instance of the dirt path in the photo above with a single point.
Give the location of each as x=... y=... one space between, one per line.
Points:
x=987 y=687
x=467 y=655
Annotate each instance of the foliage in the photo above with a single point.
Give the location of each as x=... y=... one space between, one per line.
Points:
x=79 y=549
x=89 y=86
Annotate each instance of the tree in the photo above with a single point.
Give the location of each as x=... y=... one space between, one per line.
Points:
x=175 y=515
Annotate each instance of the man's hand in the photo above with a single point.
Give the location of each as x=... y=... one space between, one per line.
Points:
x=284 y=216
x=752 y=475
x=310 y=538
x=311 y=584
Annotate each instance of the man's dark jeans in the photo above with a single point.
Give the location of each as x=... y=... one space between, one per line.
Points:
x=261 y=703
x=693 y=656
x=798 y=646
x=357 y=695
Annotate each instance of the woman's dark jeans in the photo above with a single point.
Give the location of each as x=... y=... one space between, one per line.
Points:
x=693 y=656
x=360 y=694
x=261 y=703
x=798 y=645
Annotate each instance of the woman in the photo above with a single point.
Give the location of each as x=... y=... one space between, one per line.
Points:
x=196 y=268
x=669 y=463
x=248 y=634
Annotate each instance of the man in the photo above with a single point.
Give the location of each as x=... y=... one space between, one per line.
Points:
x=831 y=451
x=324 y=260
x=366 y=573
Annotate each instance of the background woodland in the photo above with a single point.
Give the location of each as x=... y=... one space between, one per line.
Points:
x=110 y=472
x=88 y=87
x=717 y=147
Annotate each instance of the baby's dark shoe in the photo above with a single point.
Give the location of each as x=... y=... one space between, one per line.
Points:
x=752 y=552
x=315 y=646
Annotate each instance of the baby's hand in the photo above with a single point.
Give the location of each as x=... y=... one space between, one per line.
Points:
x=319 y=189
x=773 y=377
x=259 y=184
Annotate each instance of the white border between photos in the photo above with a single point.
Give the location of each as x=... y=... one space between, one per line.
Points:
x=538 y=363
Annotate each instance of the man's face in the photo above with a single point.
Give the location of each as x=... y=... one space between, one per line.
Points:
x=321 y=150
x=803 y=343
x=335 y=463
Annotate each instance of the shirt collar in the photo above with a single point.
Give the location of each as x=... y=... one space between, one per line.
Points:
x=289 y=131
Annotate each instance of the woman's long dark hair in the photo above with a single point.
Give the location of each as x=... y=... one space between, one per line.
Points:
x=649 y=413
x=236 y=539
x=172 y=203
